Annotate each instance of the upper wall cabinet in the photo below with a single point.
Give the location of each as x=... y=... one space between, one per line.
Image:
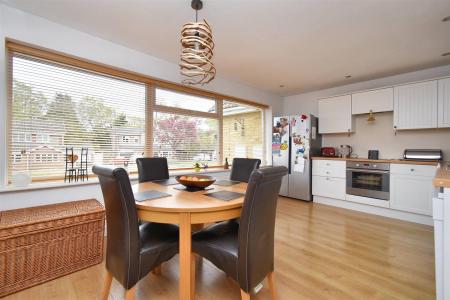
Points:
x=416 y=105
x=375 y=101
x=444 y=103
x=335 y=114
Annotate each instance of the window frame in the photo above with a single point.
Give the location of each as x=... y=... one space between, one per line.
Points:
x=150 y=102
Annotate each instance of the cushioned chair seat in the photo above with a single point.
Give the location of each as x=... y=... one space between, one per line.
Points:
x=219 y=244
x=159 y=243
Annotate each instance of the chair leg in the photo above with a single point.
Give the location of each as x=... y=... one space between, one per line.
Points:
x=273 y=290
x=157 y=270
x=244 y=295
x=129 y=294
x=106 y=285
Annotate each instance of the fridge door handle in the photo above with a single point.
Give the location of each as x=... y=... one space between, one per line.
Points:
x=289 y=154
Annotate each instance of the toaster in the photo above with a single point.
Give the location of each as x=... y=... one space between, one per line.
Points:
x=328 y=151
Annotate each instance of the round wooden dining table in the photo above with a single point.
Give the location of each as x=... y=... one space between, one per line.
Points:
x=188 y=210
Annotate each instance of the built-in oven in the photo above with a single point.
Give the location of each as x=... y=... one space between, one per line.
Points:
x=368 y=179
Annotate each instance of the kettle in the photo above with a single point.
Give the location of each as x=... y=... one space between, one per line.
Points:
x=345 y=151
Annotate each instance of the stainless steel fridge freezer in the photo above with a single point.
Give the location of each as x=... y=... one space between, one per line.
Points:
x=295 y=140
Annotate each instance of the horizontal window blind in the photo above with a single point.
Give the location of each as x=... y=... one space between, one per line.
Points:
x=243 y=131
x=55 y=107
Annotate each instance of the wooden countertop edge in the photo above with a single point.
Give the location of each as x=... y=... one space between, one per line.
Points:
x=392 y=161
x=442 y=177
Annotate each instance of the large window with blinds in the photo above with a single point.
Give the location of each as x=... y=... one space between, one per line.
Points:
x=57 y=110
x=64 y=113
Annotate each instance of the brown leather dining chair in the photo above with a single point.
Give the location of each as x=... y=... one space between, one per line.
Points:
x=132 y=250
x=152 y=168
x=245 y=250
x=242 y=168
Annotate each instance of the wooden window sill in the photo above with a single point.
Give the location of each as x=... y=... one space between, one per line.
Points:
x=42 y=185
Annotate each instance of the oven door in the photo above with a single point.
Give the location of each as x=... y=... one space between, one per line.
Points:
x=368 y=183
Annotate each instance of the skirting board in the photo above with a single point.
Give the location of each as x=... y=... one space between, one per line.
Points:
x=380 y=211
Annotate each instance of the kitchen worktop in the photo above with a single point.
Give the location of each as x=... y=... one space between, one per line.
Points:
x=442 y=177
x=391 y=161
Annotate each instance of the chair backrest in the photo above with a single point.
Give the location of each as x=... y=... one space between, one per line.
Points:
x=152 y=168
x=69 y=158
x=123 y=242
x=243 y=167
x=257 y=226
x=83 y=157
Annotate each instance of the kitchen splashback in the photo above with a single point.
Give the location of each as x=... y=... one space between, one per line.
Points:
x=379 y=135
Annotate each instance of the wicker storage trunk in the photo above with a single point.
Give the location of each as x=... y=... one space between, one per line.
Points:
x=38 y=244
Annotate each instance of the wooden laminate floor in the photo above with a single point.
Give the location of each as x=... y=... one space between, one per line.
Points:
x=321 y=252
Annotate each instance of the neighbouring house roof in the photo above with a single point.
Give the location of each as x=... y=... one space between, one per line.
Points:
x=126 y=131
x=44 y=147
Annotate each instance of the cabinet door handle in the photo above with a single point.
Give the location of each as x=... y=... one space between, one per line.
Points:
x=412 y=170
x=328 y=172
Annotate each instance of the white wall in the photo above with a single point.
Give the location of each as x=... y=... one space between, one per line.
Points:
x=378 y=135
x=24 y=27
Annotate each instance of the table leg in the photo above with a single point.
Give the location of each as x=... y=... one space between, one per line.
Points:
x=186 y=270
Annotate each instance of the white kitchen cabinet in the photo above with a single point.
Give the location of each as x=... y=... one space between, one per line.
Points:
x=328 y=178
x=416 y=105
x=329 y=168
x=335 y=114
x=329 y=187
x=375 y=101
x=411 y=188
x=444 y=103
x=413 y=170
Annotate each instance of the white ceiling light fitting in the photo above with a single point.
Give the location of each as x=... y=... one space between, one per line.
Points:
x=197 y=50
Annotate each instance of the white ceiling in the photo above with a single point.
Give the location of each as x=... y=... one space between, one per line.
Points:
x=304 y=44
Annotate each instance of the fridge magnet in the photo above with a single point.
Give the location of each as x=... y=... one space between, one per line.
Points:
x=276 y=138
x=276 y=149
x=297 y=140
x=281 y=126
x=304 y=117
x=293 y=122
x=284 y=146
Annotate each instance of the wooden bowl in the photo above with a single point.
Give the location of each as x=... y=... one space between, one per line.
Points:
x=202 y=182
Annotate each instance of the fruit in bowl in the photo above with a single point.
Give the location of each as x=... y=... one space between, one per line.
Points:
x=197 y=181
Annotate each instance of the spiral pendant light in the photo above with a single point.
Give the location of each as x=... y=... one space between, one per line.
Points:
x=197 y=50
